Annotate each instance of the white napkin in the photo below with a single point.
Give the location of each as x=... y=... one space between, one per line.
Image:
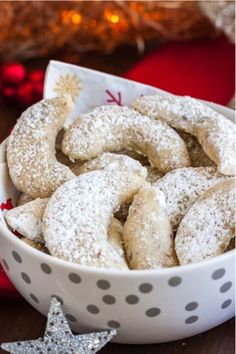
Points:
x=91 y=88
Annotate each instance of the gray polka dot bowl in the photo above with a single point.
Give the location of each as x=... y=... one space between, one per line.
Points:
x=148 y=306
x=144 y=306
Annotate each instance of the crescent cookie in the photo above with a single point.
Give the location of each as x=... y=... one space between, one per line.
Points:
x=31 y=148
x=27 y=219
x=206 y=230
x=183 y=187
x=215 y=133
x=77 y=216
x=148 y=238
x=111 y=162
x=113 y=128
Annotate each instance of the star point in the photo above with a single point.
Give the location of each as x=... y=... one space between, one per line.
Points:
x=59 y=339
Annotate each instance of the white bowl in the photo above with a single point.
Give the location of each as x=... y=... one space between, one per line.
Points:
x=147 y=306
x=3 y=151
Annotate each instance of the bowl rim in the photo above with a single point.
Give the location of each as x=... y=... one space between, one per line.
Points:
x=11 y=237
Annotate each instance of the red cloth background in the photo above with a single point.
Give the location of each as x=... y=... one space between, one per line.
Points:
x=202 y=69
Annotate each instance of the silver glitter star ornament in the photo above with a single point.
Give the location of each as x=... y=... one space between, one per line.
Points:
x=58 y=338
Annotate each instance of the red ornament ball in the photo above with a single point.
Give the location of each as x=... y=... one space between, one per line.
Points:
x=37 y=91
x=9 y=91
x=36 y=76
x=24 y=94
x=13 y=73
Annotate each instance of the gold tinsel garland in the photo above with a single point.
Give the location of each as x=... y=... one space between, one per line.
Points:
x=38 y=28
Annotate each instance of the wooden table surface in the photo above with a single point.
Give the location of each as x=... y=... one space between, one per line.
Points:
x=19 y=321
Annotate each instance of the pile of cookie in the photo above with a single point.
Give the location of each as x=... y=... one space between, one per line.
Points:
x=128 y=188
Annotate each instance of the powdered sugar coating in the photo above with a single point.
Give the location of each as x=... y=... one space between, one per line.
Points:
x=111 y=162
x=183 y=187
x=27 y=219
x=214 y=132
x=206 y=230
x=31 y=148
x=113 y=128
x=78 y=214
x=148 y=237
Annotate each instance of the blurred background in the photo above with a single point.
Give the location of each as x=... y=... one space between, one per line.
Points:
x=185 y=47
